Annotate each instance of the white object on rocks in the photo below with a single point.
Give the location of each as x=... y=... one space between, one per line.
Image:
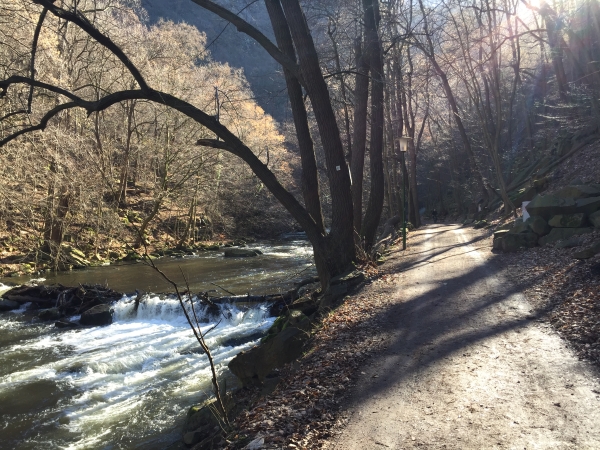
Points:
x=524 y=211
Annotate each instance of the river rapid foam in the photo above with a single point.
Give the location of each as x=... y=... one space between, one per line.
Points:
x=126 y=385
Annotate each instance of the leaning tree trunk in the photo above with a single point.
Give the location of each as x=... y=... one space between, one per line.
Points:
x=339 y=252
x=309 y=178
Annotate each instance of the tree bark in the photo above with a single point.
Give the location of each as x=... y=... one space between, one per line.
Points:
x=309 y=179
x=376 y=193
x=340 y=250
x=361 y=97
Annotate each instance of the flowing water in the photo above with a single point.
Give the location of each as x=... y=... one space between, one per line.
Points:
x=128 y=385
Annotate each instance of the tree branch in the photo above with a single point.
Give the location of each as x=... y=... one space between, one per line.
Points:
x=82 y=22
x=41 y=125
x=244 y=27
x=231 y=142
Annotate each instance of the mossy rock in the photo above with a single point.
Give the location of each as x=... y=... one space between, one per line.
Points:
x=295 y=318
x=538 y=225
x=547 y=206
x=567 y=221
x=204 y=421
x=276 y=327
x=252 y=366
x=132 y=256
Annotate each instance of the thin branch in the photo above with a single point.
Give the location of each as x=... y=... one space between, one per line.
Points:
x=222 y=288
x=40 y=126
x=82 y=22
x=36 y=36
x=195 y=328
x=244 y=27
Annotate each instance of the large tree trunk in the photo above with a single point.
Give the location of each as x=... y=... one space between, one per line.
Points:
x=361 y=98
x=375 y=205
x=309 y=180
x=340 y=252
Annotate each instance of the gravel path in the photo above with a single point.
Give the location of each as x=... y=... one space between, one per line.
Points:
x=465 y=365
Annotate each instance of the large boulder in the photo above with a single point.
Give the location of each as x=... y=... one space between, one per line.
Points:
x=559 y=234
x=547 y=206
x=49 y=314
x=241 y=252
x=587 y=206
x=512 y=242
x=579 y=191
x=519 y=227
x=97 y=315
x=252 y=366
x=567 y=221
x=595 y=219
x=8 y=305
x=538 y=225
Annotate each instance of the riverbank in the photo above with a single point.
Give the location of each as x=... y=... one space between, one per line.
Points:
x=18 y=262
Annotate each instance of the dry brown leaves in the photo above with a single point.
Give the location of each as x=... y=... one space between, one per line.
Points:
x=302 y=410
x=566 y=291
x=585 y=166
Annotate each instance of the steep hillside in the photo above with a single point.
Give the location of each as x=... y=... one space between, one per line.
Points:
x=562 y=278
x=227 y=45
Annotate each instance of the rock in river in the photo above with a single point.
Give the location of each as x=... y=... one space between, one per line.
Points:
x=242 y=252
x=8 y=305
x=97 y=315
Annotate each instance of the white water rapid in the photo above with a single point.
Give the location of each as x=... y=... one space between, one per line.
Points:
x=122 y=386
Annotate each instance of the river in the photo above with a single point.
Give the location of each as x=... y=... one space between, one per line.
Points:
x=129 y=385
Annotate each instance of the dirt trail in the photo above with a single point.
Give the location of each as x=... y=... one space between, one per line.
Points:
x=467 y=366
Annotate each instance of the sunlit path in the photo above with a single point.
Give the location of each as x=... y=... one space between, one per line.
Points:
x=467 y=366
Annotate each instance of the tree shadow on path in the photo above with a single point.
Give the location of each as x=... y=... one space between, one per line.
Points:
x=451 y=316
